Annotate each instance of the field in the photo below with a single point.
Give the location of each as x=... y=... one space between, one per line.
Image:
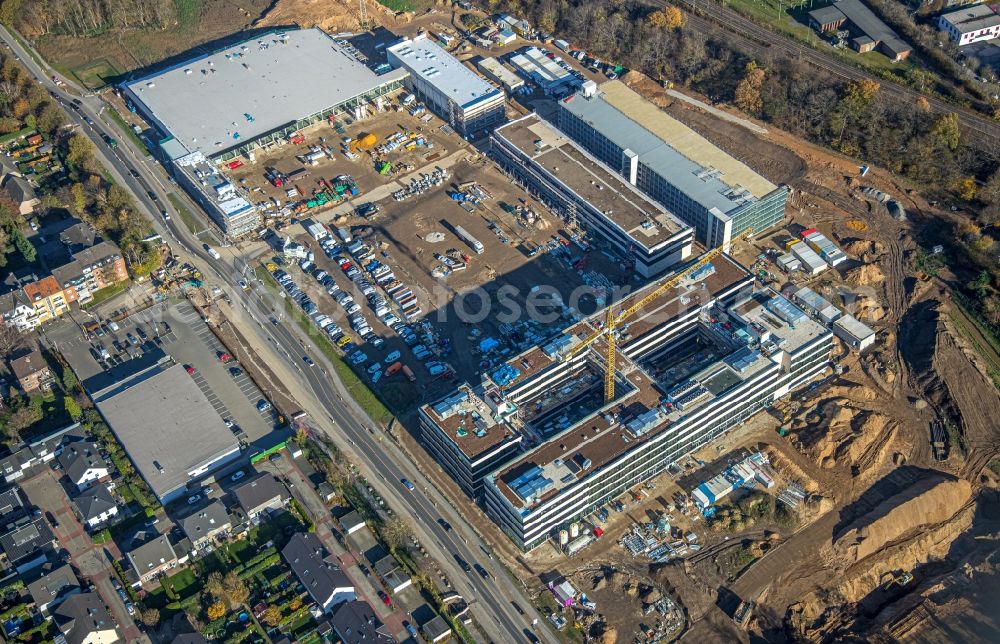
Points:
x=199 y=23
x=96 y=74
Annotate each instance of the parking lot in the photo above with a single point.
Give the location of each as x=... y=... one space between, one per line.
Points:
x=415 y=241
x=175 y=329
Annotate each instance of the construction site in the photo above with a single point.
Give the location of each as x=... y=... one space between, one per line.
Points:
x=874 y=514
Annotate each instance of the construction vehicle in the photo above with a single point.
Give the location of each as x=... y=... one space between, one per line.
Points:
x=612 y=322
x=362 y=143
x=297 y=138
x=384 y=168
x=276 y=178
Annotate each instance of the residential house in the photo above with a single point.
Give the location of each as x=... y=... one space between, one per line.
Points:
x=12 y=502
x=55 y=585
x=26 y=541
x=311 y=564
x=91 y=269
x=96 y=506
x=189 y=638
x=205 y=525
x=78 y=236
x=42 y=449
x=18 y=311
x=32 y=372
x=21 y=193
x=262 y=493
x=47 y=297
x=355 y=622
x=152 y=559
x=84 y=619
x=83 y=464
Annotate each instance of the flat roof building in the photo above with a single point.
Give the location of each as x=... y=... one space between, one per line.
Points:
x=543 y=71
x=696 y=181
x=971 y=24
x=249 y=95
x=858 y=335
x=169 y=429
x=553 y=167
x=498 y=73
x=467 y=102
x=254 y=92
x=700 y=359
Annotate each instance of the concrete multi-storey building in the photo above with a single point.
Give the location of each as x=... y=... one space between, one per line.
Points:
x=250 y=95
x=453 y=91
x=586 y=192
x=91 y=269
x=971 y=24
x=696 y=181
x=45 y=299
x=702 y=358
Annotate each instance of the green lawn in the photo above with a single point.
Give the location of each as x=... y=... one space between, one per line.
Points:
x=188 y=14
x=95 y=75
x=191 y=221
x=184 y=583
x=106 y=293
x=127 y=130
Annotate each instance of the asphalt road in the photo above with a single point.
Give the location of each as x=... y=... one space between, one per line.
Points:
x=380 y=459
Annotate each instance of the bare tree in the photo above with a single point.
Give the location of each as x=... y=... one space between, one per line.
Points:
x=11 y=339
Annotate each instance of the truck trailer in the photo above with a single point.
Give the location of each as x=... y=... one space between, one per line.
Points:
x=470 y=240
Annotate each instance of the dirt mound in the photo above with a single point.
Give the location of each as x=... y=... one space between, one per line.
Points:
x=865 y=275
x=849 y=435
x=900 y=516
x=865 y=250
x=338 y=15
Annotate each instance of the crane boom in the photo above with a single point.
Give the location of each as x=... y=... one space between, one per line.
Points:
x=612 y=321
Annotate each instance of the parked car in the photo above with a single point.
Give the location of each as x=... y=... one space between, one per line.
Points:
x=194 y=498
x=357 y=358
x=385 y=598
x=237 y=476
x=392 y=357
x=263 y=405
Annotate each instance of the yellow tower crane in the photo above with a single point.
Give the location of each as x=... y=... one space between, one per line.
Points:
x=612 y=321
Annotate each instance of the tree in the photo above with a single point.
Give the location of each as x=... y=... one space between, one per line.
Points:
x=22 y=418
x=216 y=611
x=69 y=380
x=295 y=604
x=396 y=532
x=72 y=408
x=235 y=589
x=271 y=615
x=669 y=18
x=150 y=617
x=215 y=587
x=967 y=188
x=748 y=91
x=50 y=119
x=25 y=247
x=10 y=339
x=946 y=133
x=79 y=151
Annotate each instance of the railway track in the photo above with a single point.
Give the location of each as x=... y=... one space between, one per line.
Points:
x=761 y=40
